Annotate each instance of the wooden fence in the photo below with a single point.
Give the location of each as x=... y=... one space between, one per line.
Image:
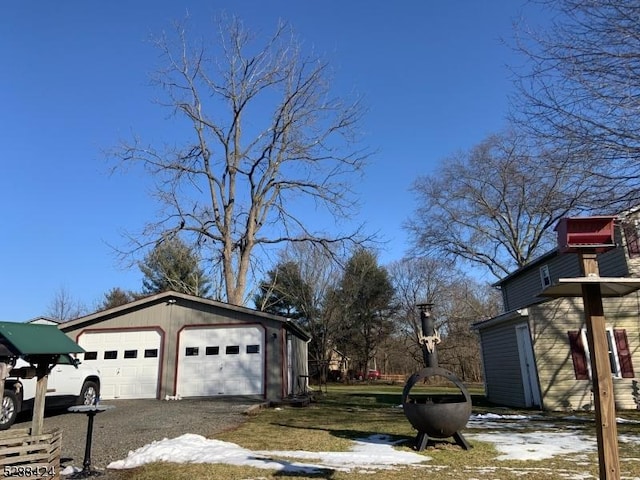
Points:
x=25 y=456
x=393 y=378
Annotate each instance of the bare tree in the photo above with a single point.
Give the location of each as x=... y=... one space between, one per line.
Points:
x=304 y=284
x=321 y=271
x=580 y=90
x=458 y=302
x=496 y=205
x=64 y=307
x=267 y=139
x=417 y=280
x=466 y=302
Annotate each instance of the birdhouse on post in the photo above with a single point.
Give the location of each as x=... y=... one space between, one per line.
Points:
x=586 y=234
x=589 y=236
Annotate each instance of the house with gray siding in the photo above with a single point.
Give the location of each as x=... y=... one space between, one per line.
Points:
x=172 y=344
x=535 y=354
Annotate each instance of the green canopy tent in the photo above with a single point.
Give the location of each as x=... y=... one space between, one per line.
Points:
x=43 y=346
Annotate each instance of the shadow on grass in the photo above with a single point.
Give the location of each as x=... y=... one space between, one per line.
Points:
x=350 y=434
x=317 y=474
x=291 y=470
x=393 y=399
x=374 y=437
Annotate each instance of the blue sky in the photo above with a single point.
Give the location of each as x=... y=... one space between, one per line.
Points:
x=75 y=80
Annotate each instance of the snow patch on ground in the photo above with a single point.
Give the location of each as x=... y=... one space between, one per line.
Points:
x=377 y=453
x=536 y=445
x=373 y=453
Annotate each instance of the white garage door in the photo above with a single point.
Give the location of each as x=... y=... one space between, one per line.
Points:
x=128 y=361
x=221 y=361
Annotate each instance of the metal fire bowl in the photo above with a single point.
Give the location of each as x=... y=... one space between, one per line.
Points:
x=444 y=415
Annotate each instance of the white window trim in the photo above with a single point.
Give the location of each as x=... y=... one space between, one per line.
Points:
x=611 y=339
x=545 y=277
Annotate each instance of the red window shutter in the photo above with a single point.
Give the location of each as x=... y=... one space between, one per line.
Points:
x=578 y=355
x=624 y=354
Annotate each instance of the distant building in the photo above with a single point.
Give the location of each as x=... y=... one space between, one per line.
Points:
x=44 y=321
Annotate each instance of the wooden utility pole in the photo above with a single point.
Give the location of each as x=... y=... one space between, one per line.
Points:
x=606 y=428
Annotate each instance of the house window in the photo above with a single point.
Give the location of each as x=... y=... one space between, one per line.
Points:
x=232 y=350
x=619 y=354
x=90 y=355
x=253 y=348
x=212 y=351
x=110 y=354
x=545 y=278
x=131 y=354
x=191 y=351
x=151 y=353
x=632 y=237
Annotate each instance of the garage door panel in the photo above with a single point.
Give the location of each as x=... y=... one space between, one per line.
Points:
x=233 y=387
x=221 y=361
x=107 y=390
x=128 y=362
x=108 y=372
x=131 y=372
x=149 y=371
x=127 y=391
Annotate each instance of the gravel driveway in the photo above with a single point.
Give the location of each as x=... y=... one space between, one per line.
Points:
x=135 y=423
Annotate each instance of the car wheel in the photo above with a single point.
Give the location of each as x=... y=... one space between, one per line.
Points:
x=89 y=393
x=8 y=409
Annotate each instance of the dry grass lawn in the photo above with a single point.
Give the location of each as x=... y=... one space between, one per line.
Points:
x=350 y=412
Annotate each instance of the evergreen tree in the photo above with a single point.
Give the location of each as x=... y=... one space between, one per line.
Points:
x=116 y=297
x=301 y=287
x=284 y=292
x=173 y=265
x=365 y=301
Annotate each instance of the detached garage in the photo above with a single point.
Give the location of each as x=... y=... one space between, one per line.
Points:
x=176 y=344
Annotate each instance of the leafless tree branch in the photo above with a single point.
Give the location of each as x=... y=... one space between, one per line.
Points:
x=580 y=91
x=495 y=206
x=266 y=134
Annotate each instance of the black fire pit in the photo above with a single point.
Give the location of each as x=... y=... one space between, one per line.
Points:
x=435 y=416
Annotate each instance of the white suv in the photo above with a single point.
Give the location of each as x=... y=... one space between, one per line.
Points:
x=67 y=385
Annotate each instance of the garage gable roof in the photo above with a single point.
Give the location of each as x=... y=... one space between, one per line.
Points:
x=171 y=295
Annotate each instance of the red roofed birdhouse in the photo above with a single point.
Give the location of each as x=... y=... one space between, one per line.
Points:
x=586 y=234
